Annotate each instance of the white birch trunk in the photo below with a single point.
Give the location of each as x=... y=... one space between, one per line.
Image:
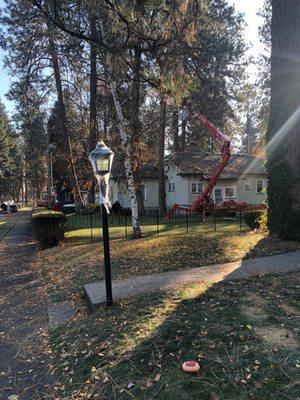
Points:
x=127 y=163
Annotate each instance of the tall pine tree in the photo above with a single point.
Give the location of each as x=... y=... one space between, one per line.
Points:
x=9 y=176
x=283 y=139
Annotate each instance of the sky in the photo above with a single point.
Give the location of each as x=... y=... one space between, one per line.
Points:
x=248 y=7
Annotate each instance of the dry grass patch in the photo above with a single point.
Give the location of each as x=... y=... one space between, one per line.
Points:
x=135 y=349
x=67 y=268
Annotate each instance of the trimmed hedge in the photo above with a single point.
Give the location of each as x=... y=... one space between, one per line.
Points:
x=252 y=219
x=224 y=213
x=49 y=227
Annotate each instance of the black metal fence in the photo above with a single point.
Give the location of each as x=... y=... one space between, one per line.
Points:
x=87 y=227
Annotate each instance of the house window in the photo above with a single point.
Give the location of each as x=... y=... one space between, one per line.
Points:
x=67 y=197
x=229 y=193
x=259 y=186
x=196 y=187
x=247 y=184
x=171 y=187
x=193 y=187
x=218 y=196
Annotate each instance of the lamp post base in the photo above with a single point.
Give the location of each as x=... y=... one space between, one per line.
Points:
x=95 y=295
x=106 y=250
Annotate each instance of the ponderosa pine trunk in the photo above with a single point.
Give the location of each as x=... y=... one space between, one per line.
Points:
x=283 y=136
x=127 y=163
x=136 y=129
x=175 y=129
x=93 y=103
x=183 y=133
x=162 y=206
x=25 y=187
x=61 y=102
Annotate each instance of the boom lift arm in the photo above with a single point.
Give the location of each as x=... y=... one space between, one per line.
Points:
x=223 y=143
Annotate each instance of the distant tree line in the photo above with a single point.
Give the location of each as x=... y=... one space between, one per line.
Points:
x=10 y=158
x=120 y=71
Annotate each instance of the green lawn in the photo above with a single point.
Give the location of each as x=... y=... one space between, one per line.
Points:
x=245 y=335
x=161 y=229
x=66 y=268
x=85 y=227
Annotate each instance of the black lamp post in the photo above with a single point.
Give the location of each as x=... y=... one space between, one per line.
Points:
x=101 y=159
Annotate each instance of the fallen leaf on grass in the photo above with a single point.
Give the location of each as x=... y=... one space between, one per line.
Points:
x=157 y=377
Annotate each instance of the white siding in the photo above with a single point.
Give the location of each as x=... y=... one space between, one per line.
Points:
x=180 y=195
x=120 y=193
x=193 y=196
x=151 y=186
x=250 y=195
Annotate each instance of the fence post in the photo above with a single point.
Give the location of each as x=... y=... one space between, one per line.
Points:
x=91 y=223
x=126 y=233
x=215 y=223
x=187 y=221
x=157 y=222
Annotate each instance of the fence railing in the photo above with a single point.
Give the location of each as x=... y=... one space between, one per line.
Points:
x=87 y=227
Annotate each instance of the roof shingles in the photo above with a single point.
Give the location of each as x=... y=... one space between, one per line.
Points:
x=199 y=162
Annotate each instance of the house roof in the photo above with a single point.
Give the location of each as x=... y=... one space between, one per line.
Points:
x=147 y=171
x=198 y=162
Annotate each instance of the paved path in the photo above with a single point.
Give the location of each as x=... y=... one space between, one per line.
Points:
x=24 y=362
x=95 y=292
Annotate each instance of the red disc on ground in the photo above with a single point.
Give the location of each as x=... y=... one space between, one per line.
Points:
x=190 y=366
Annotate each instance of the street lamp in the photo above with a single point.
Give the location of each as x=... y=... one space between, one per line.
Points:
x=101 y=159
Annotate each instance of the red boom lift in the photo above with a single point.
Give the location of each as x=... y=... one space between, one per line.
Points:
x=203 y=202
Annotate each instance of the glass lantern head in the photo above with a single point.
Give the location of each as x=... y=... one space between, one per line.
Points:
x=101 y=159
x=102 y=165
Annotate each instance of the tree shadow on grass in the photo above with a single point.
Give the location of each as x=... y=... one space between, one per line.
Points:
x=68 y=268
x=245 y=334
x=271 y=245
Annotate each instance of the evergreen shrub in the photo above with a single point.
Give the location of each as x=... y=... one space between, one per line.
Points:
x=252 y=219
x=49 y=228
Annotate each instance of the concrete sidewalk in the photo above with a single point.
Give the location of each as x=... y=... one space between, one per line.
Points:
x=24 y=357
x=288 y=262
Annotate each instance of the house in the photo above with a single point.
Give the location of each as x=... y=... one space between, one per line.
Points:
x=187 y=173
x=148 y=175
x=65 y=196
